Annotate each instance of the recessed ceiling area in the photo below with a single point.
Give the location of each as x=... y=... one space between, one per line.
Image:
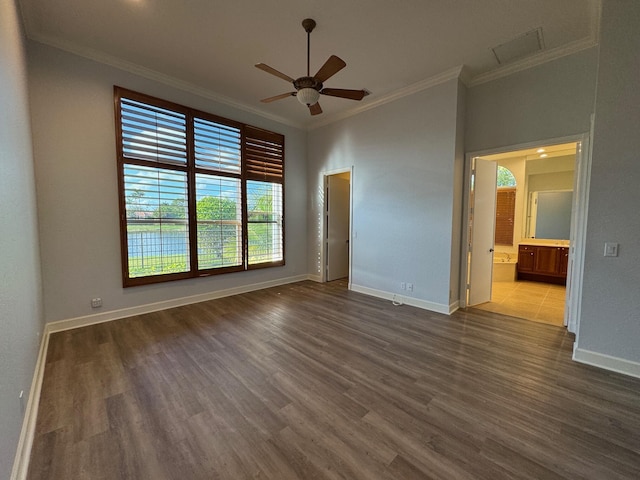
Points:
x=389 y=47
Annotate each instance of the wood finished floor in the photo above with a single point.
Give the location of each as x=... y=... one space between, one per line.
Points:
x=312 y=381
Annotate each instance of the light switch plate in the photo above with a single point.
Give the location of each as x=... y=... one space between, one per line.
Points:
x=610 y=249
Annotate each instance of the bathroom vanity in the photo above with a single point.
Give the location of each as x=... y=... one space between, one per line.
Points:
x=543 y=263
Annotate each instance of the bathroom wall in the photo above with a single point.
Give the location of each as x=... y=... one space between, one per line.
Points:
x=555 y=173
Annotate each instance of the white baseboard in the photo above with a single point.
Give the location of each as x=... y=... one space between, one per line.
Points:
x=23 y=453
x=615 y=364
x=25 y=443
x=315 y=278
x=454 y=306
x=414 y=302
x=84 y=321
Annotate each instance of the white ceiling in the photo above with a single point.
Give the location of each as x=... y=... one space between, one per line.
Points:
x=390 y=46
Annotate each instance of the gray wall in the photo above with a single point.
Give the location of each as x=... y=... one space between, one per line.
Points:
x=556 y=100
x=610 y=322
x=549 y=101
x=407 y=172
x=75 y=158
x=20 y=289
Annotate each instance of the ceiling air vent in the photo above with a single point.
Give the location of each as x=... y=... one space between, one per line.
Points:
x=525 y=45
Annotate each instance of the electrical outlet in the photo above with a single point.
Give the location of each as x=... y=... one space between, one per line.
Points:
x=403 y=286
x=410 y=287
x=96 y=302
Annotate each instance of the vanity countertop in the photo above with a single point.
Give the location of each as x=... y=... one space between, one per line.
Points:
x=547 y=243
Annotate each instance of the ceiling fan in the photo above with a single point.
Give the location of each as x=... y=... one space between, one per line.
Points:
x=308 y=88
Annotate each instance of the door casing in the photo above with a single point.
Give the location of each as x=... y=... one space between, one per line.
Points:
x=578 y=224
x=323 y=250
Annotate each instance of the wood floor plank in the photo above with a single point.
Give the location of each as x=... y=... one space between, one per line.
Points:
x=313 y=381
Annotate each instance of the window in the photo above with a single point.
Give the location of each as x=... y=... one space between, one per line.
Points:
x=505 y=177
x=505 y=206
x=199 y=194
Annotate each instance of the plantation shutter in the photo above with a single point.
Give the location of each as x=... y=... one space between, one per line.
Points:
x=216 y=146
x=263 y=155
x=152 y=133
x=505 y=214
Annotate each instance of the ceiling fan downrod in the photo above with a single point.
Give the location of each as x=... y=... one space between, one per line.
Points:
x=308 y=24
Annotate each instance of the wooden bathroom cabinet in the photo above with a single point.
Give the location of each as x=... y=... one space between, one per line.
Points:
x=542 y=263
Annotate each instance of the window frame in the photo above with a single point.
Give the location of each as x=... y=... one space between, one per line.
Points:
x=192 y=170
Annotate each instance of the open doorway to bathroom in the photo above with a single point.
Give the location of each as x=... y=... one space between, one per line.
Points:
x=532 y=232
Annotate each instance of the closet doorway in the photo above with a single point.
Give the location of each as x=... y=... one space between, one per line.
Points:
x=337 y=213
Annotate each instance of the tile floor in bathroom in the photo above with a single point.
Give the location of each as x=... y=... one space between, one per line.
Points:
x=540 y=302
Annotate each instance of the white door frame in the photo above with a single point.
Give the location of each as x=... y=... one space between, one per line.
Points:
x=323 y=243
x=578 y=228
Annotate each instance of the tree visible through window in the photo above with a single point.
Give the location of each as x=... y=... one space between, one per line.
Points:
x=199 y=194
x=505 y=206
x=505 y=177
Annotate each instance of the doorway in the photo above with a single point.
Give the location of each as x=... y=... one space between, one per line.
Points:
x=536 y=168
x=337 y=213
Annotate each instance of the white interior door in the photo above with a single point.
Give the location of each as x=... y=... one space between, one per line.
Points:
x=337 y=226
x=482 y=232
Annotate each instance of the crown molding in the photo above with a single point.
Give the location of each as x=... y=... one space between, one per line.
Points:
x=156 y=76
x=533 y=61
x=549 y=55
x=443 y=77
x=461 y=72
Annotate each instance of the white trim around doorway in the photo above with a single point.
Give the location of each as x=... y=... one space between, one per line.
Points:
x=323 y=257
x=583 y=168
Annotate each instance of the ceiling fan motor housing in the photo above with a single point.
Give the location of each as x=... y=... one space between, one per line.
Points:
x=307 y=82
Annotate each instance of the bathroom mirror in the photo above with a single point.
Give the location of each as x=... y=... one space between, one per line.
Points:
x=549 y=196
x=550 y=215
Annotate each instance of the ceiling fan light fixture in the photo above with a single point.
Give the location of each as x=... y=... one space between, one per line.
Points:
x=308 y=96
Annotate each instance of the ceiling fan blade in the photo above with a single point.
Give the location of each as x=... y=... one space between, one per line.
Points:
x=278 y=97
x=330 y=68
x=345 y=93
x=315 y=109
x=273 y=71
